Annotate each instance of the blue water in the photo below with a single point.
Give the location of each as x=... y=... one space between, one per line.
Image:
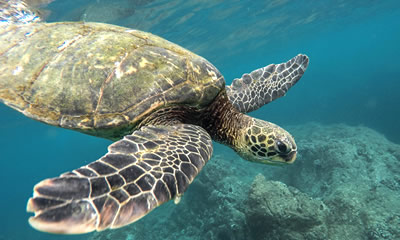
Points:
x=353 y=76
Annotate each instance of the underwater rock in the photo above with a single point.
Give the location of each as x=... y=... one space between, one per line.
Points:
x=277 y=211
x=344 y=185
x=355 y=171
x=333 y=155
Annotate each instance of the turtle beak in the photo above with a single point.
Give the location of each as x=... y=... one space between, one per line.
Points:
x=289 y=157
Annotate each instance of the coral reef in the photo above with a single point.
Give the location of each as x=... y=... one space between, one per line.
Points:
x=210 y=209
x=277 y=211
x=344 y=185
x=354 y=170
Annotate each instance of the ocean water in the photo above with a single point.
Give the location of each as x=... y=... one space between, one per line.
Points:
x=353 y=79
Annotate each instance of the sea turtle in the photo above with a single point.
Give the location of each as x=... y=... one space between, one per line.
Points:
x=161 y=104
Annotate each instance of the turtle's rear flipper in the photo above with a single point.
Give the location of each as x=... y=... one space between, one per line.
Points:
x=266 y=84
x=139 y=172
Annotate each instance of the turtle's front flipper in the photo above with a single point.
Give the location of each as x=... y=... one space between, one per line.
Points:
x=139 y=172
x=266 y=84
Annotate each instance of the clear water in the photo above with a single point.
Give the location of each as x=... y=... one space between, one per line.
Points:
x=353 y=76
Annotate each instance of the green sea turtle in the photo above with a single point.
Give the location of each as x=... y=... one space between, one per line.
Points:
x=161 y=104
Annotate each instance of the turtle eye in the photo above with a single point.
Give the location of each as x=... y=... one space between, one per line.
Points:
x=281 y=147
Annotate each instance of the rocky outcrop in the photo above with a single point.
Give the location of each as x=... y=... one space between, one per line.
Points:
x=344 y=185
x=276 y=211
x=355 y=171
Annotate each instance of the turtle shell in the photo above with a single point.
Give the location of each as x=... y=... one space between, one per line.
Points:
x=98 y=78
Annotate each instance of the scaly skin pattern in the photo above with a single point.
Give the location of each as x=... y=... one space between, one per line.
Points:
x=98 y=78
x=151 y=166
x=253 y=139
x=266 y=84
x=139 y=173
x=267 y=143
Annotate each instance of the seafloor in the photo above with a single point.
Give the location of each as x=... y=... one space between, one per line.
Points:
x=344 y=185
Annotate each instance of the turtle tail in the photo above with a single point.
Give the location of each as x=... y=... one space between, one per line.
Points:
x=17 y=12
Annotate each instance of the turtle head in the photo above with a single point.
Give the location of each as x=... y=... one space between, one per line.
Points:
x=265 y=142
